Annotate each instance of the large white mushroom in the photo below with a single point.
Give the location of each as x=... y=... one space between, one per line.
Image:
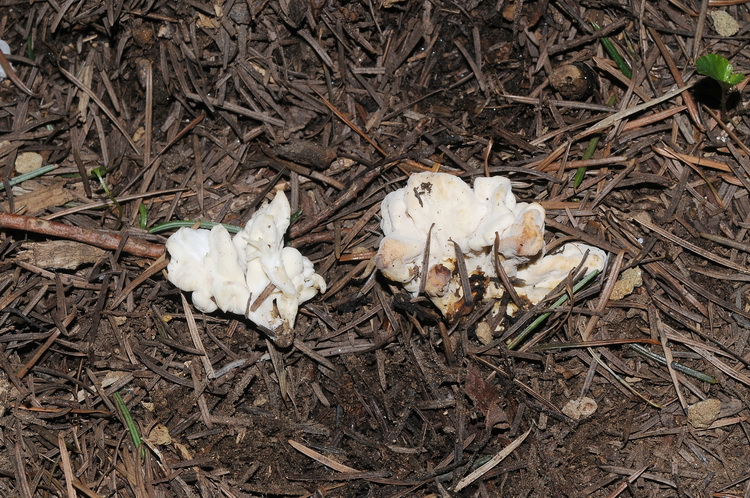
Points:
x=252 y=274
x=456 y=217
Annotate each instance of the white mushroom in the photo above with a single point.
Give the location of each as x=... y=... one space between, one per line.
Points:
x=544 y=274
x=457 y=217
x=252 y=274
x=4 y=48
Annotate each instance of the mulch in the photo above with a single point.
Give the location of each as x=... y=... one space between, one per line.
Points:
x=149 y=113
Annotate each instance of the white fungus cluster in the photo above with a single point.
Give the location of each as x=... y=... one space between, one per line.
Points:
x=459 y=218
x=252 y=274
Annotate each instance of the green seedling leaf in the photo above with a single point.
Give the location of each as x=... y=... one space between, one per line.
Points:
x=590 y=149
x=30 y=47
x=295 y=216
x=677 y=366
x=718 y=68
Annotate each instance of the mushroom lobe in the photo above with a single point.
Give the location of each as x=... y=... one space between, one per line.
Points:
x=438 y=278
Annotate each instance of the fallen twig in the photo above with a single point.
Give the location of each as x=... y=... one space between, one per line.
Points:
x=97 y=238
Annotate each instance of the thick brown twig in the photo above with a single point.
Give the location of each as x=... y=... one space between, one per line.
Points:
x=132 y=245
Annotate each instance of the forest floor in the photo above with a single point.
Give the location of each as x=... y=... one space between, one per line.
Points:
x=145 y=112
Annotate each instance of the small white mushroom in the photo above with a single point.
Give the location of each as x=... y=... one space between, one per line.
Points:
x=252 y=274
x=4 y=48
x=454 y=215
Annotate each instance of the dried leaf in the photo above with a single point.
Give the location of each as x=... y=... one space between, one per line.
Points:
x=486 y=398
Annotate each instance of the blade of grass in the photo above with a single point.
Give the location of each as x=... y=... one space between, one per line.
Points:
x=98 y=173
x=135 y=436
x=614 y=53
x=677 y=366
x=28 y=176
x=170 y=225
x=589 y=152
x=142 y=217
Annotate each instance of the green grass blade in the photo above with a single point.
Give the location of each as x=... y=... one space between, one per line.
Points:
x=589 y=152
x=135 y=436
x=99 y=173
x=142 y=216
x=28 y=176
x=677 y=366
x=622 y=64
x=171 y=225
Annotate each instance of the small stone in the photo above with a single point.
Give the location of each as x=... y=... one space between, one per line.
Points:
x=143 y=35
x=160 y=435
x=165 y=31
x=27 y=162
x=704 y=413
x=240 y=13
x=724 y=23
x=628 y=281
x=484 y=334
x=580 y=408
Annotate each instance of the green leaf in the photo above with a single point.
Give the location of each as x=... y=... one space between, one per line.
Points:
x=295 y=215
x=718 y=68
x=28 y=176
x=735 y=78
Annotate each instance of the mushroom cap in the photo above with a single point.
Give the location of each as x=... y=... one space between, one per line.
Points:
x=438 y=200
x=265 y=230
x=520 y=226
x=398 y=258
